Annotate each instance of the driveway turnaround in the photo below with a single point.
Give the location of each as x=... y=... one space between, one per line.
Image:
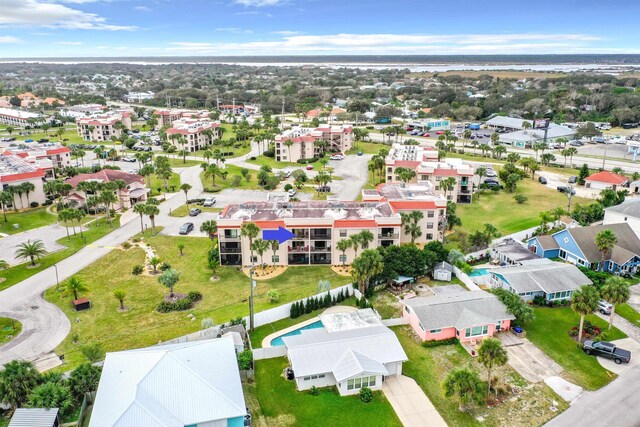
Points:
x=412 y=406
x=628 y=344
x=48 y=234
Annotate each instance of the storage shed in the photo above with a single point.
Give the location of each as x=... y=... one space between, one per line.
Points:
x=443 y=272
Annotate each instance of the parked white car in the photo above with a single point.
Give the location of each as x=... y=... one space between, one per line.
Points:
x=209 y=201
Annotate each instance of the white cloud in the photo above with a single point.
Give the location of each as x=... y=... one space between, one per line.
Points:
x=260 y=3
x=9 y=40
x=70 y=43
x=52 y=15
x=395 y=44
x=285 y=33
x=142 y=8
x=235 y=30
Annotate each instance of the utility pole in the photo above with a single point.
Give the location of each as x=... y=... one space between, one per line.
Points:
x=251 y=320
x=282 y=115
x=569 y=195
x=217 y=103
x=605 y=154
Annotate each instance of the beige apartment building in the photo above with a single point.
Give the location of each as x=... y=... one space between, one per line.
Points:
x=46 y=157
x=166 y=117
x=14 y=171
x=318 y=226
x=307 y=143
x=18 y=118
x=424 y=161
x=103 y=127
x=195 y=133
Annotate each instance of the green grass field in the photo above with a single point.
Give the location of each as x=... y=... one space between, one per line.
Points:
x=183 y=210
x=367 y=147
x=550 y=332
x=230 y=182
x=222 y=300
x=157 y=184
x=501 y=210
x=281 y=404
x=26 y=220
x=96 y=230
x=626 y=311
x=274 y=164
x=7 y=331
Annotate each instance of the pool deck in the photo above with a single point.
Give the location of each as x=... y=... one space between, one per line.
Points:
x=266 y=342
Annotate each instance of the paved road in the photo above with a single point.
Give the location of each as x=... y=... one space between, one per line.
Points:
x=49 y=234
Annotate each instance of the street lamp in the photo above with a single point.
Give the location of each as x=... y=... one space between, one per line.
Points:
x=57 y=280
x=569 y=195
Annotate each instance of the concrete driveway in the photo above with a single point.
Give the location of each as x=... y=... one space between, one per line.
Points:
x=412 y=406
x=628 y=344
x=48 y=234
x=530 y=362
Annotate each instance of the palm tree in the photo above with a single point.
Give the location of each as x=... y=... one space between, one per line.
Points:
x=151 y=211
x=366 y=237
x=73 y=285
x=605 y=241
x=65 y=216
x=466 y=385
x=31 y=251
x=584 y=301
x=288 y=143
x=405 y=174
x=250 y=230
x=186 y=187
x=17 y=379
x=154 y=262
x=356 y=240
x=211 y=171
x=481 y=172
x=490 y=354
x=342 y=246
x=27 y=188
x=140 y=209
x=108 y=199
x=119 y=294
x=3 y=264
x=410 y=222
x=169 y=278
x=615 y=291
x=366 y=266
x=211 y=228
x=181 y=247
x=275 y=246
x=447 y=185
x=572 y=151
x=6 y=198
x=260 y=246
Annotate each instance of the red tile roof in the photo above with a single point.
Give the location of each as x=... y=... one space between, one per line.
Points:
x=410 y=205
x=411 y=164
x=106 y=175
x=607 y=178
x=354 y=223
x=270 y=225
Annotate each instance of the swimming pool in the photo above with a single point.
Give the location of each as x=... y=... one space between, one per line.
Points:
x=278 y=340
x=479 y=272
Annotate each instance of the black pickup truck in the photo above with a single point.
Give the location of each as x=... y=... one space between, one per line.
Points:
x=608 y=350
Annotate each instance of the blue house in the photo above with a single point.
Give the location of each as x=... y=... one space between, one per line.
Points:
x=578 y=246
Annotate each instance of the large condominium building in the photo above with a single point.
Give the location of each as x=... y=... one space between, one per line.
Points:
x=15 y=171
x=13 y=117
x=103 y=127
x=42 y=156
x=319 y=226
x=193 y=134
x=168 y=116
x=423 y=160
x=307 y=143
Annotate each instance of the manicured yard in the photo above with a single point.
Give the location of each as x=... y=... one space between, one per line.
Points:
x=274 y=164
x=274 y=401
x=550 y=332
x=183 y=210
x=176 y=162
x=429 y=367
x=626 y=311
x=368 y=147
x=262 y=331
x=7 y=331
x=222 y=300
x=232 y=170
x=157 y=184
x=501 y=210
x=96 y=230
x=26 y=220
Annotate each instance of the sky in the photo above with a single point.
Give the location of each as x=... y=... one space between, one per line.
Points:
x=103 y=28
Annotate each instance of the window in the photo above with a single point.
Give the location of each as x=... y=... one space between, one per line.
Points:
x=307 y=378
x=421 y=327
x=429 y=236
x=438 y=178
x=430 y=214
x=562 y=254
x=255 y=259
x=406 y=308
x=423 y=177
x=429 y=225
x=321 y=376
x=343 y=233
x=314 y=377
x=476 y=331
x=275 y=258
x=435 y=331
x=358 y=383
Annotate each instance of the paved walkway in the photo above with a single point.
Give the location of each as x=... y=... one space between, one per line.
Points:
x=412 y=406
x=624 y=325
x=531 y=362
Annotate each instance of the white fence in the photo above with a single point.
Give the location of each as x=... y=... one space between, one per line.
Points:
x=269 y=352
x=465 y=279
x=204 y=334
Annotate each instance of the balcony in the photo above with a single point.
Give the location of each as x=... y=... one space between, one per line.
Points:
x=321 y=249
x=230 y=237
x=388 y=235
x=321 y=236
x=298 y=248
x=300 y=235
x=225 y=250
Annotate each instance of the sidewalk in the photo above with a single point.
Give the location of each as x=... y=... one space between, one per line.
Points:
x=412 y=406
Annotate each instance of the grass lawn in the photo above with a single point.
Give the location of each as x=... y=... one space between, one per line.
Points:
x=626 y=311
x=222 y=300
x=429 y=367
x=157 y=184
x=501 y=210
x=550 y=332
x=28 y=219
x=386 y=304
x=274 y=164
x=183 y=211
x=176 y=162
x=96 y=230
x=261 y=332
x=7 y=333
x=70 y=134
x=230 y=182
x=368 y=147
x=275 y=401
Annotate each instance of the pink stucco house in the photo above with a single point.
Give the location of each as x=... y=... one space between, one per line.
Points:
x=468 y=316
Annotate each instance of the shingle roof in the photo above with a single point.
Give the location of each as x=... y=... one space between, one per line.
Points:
x=630 y=207
x=34 y=417
x=585 y=239
x=317 y=351
x=547 y=242
x=543 y=275
x=170 y=385
x=105 y=175
x=460 y=310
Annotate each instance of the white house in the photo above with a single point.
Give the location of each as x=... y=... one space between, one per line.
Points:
x=351 y=351
x=628 y=211
x=175 y=385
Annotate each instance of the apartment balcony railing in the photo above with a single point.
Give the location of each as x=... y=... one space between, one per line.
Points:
x=320 y=236
x=321 y=249
x=388 y=235
x=298 y=248
x=229 y=238
x=300 y=236
x=230 y=250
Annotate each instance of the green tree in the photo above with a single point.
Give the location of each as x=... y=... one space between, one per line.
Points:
x=465 y=385
x=366 y=266
x=615 y=291
x=584 y=301
x=260 y=247
x=250 y=230
x=210 y=227
x=185 y=188
x=73 y=285
x=342 y=246
x=151 y=210
x=405 y=174
x=31 y=250
x=211 y=171
x=154 y=261
x=605 y=240
x=140 y=209
x=51 y=395
x=169 y=278
x=17 y=379
x=84 y=379
x=93 y=352
x=120 y=295
x=490 y=354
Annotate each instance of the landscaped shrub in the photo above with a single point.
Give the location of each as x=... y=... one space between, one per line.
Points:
x=589 y=330
x=273 y=295
x=34 y=204
x=126 y=245
x=313 y=391
x=269 y=153
x=194 y=296
x=164 y=266
x=306 y=161
x=438 y=343
x=238 y=321
x=180 y=305
x=252 y=158
x=245 y=360
x=539 y=300
x=137 y=270
x=366 y=395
